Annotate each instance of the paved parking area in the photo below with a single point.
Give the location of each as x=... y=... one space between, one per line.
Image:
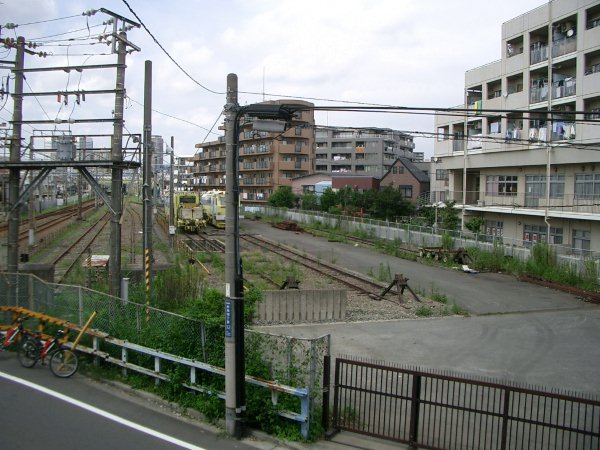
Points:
x=517 y=331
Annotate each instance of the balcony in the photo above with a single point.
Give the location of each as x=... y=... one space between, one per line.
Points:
x=538 y=94
x=538 y=53
x=563 y=88
x=567 y=203
x=563 y=46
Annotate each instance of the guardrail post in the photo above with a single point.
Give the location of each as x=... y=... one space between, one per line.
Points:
x=96 y=347
x=305 y=412
x=157 y=370
x=124 y=359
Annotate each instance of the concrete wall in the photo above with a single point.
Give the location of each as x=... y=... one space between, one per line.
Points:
x=302 y=305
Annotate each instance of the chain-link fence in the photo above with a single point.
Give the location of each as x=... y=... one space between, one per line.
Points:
x=586 y=263
x=294 y=361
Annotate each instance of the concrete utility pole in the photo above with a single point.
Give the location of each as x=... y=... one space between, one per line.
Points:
x=117 y=173
x=171 y=195
x=12 y=262
x=147 y=177
x=235 y=396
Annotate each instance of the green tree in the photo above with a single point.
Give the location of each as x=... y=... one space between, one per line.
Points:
x=389 y=203
x=283 y=197
x=474 y=225
x=329 y=199
x=447 y=216
x=309 y=201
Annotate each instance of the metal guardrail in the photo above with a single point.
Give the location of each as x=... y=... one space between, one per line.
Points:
x=158 y=357
x=74 y=303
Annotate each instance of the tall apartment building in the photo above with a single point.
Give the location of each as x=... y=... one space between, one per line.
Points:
x=527 y=123
x=267 y=160
x=183 y=173
x=361 y=151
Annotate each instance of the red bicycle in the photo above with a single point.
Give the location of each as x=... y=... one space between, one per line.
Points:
x=13 y=334
x=63 y=361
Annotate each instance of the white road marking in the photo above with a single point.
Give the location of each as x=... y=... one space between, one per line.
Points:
x=101 y=412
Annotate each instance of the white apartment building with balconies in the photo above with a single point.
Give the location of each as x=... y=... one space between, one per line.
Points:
x=529 y=118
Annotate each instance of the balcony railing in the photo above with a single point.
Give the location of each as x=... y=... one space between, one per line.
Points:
x=589 y=204
x=538 y=53
x=458 y=145
x=563 y=88
x=538 y=94
x=563 y=46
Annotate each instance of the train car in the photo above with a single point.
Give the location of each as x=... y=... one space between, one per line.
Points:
x=213 y=203
x=189 y=213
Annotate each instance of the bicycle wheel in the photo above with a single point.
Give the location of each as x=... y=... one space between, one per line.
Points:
x=63 y=363
x=28 y=353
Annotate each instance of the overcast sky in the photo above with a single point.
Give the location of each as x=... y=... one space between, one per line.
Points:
x=393 y=52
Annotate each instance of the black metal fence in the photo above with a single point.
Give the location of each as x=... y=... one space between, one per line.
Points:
x=447 y=411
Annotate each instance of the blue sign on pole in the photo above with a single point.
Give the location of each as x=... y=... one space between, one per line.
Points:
x=228 y=311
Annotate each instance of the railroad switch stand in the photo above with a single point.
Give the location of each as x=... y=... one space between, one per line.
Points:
x=290 y=283
x=401 y=284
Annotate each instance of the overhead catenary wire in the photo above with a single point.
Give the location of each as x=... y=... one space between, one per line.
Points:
x=361 y=106
x=168 y=54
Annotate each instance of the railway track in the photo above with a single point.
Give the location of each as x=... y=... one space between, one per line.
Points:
x=67 y=258
x=204 y=243
x=47 y=223
x=352 y=280
x=135 y=226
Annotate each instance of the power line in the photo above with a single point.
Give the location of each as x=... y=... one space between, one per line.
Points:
x=167 y=53
x=13 y=25
x=174 y=117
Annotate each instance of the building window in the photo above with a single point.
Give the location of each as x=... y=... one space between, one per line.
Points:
x=406 y=191
x=494 y=228
x=587 y=185
x=532 y=234
x=308 y=188
x=443 y=133
x=581 y=240
x=505 y=185
x=343 y=134
x=441 y=174
x=535 y=186
x=298 y=131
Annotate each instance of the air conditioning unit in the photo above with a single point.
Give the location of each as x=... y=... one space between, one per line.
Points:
x=480 y=202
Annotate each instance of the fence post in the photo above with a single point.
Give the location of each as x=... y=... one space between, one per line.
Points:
x=31 y=293
x=326 y=377
x=505 y=410
x=336 y=420
x=79 y=290
x=414 y=410
x=313 y=375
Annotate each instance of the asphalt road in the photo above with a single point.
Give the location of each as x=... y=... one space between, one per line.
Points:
x=41 y=411
x=517 y=331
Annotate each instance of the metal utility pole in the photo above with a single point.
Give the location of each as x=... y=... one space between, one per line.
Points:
x=31 y=234
x=235 y=401
x=80 y=183
x=171 y=196
x=12 y=262
x=117 y=173
x=147 y=177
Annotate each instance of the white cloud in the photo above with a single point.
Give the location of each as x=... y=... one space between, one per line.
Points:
x=398 y=52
